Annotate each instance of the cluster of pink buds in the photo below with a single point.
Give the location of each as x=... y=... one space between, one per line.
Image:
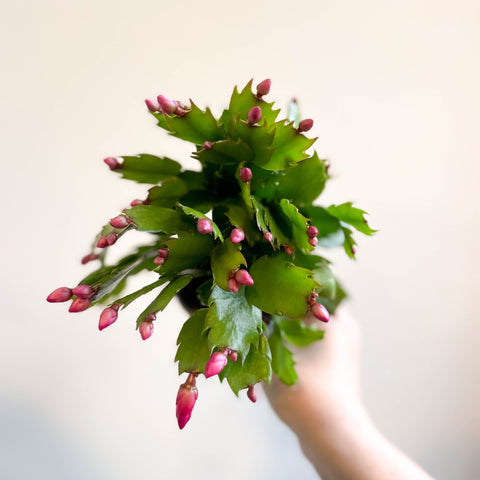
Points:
x=166 y=105
x=312 y=233
x=218 y=360
x=83 y=297
x=237 y=235
x=121 y=221
x=109 y=316
x=263 y=88
x=305 y=125
x=245 y=174
x=186 y=397
x=112 y=163
x=254 y=115
x=107 y=240
x=204 y=226
x=240 y=277
x=162 y=256
x=146 y=327
x=320 y=312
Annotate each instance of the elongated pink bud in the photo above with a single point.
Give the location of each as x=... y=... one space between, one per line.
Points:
x=245 y=174
x=254 y=115
x=320 y=312
x=146 y=330
x=204 y=226
x=163 y=252
x=237 y=235
x=120 y=222
x=305 y=125
x=216 y=364
x=112 y=162
x=79 y=305
x=61 y=294
x=153 y=105
x=312 y=231
x=251 y=393
x=136 y=202
x=233 y=355
x=111 y=238
x=232 y=285
x=242 y=277
x=263 y=88
x=167 y=105
x=268 y=236
x=84 y=291
x=288 y=249
x=108 y=316
x=89 y=258
x=158 y=260
x=313 y=241
x=186 y=397
x=102 y=242
x=207 y=145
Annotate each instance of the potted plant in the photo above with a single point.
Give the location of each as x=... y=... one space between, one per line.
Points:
x=234 y=241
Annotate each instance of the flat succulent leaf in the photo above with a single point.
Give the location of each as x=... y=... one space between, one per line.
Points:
x=197 y=214
x=226 y=152
x=355 y=217
x=193 y=351
x=128 y=299
x=150 y=218
x=280 y=287
x=242 y=217
x=288 y=146
x=297 y=226
x=193 y=180
x=256 y=367
x=267 y=223
x=165 y=296
x=146 y=168
x=283 y=364
x=226 y=258
x=349 y=243
x=330 y=233
x=204 y=290
x=324 y=277
x=168 y=193
x=297 y=333
x=242 y=102
x=189 y=251
x=310 y=261
x=232 y=321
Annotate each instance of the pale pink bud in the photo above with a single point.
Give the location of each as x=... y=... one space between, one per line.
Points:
x=263 y=88
x=313 y=241
x=83 y=291
x=61 y=294
x=204 y=226
x=167 y=105
x=353 y=249
x=237 y=235
x=215 y=364
x=251 y=394
x=89 y=258
x=186 y=397
x=320 y=312
x=242 y=277
x=312 y=231
x=120 y=222
x=146 y=330
x=245 y=174
x=254 y=115
x=207 y=145
x=153 y=105
x=112 y=162
x=102 y=242
x=268 y=236
x=163 y=252
x=136 y=202
x=288 y=250
x=111 y=238
x=158 y=260
x=232 y=285
x=108 y=316
x=305 y=125
x=79 y=305
x=233 y=355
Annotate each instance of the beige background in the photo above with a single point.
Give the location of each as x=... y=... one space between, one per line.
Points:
x=393 y=87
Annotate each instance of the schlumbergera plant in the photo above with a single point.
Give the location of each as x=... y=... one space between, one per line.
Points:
x=234 y=240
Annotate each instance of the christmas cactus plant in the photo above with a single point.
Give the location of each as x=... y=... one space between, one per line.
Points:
x=234 y=240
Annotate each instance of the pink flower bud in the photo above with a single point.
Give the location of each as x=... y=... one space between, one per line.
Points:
x=305 y=125
x=245 y=174
x=102 y=242
x=254 y=115
x=151 y=317
x=79 y=305
x=268 y=236
x=136 y=202
x=163 y=252
x=112 y=162
x=146 y=330
x=153 y=105
x=108 y=316
x=233 y=355
x=204 y=226
x=61 y=294
x=251 y=393
x=288 y=250
x=186 y=397
x=158 y=260
x=312 y=231
x=311 y=299
x=263 y=88
x=313 y=241
x=237 y=235
x=89 y=258
x=320 y=312
x=84 y=291
x=353 y=249
x=168 y=106
x=120 y=222
x=216 y=364
x=207 y=145
x=232 y=285
x=111 y=238
x=242 y=277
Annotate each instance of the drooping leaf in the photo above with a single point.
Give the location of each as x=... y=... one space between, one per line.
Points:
x=297 y=333
x=349 y=243
x=267 y=223
x=355 y=217
x=146 y=168
x=226 y=258
x=128 y=299
x=197 y=214
x=150 y=218
x=168 y=194
x=282 y=358
x=280 y=287
x=193 y=351
x=297 y=226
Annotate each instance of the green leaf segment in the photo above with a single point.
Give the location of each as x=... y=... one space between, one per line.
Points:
x=249 y=290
